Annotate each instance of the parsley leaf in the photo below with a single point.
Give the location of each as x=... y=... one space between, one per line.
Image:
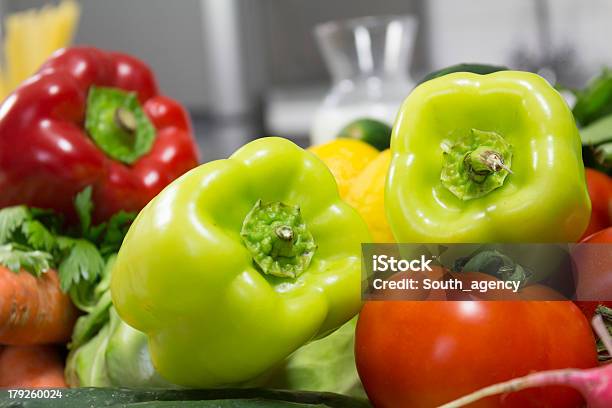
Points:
x=11 y=219
x=38 y=236
x=84 y=206
x=16 y=258
x=83 y=262
x=36 y=240
x=49 y=218
x=116 y=228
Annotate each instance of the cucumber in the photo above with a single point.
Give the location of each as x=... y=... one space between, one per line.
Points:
x=219 y=398
x=481 y=69
x=371 y=131
x=227 y=403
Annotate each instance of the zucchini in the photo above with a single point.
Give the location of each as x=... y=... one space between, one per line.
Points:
x=219 y=398
x=371 y=131
x=481 y=69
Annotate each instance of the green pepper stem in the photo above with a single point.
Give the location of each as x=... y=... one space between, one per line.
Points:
x=473 y=163
x=484 y=160
x=278 y=240
x=284 y=232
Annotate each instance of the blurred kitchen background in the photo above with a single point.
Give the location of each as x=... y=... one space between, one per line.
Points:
x=248 y=68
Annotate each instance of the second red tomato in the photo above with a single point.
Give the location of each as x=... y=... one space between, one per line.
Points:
x=423 y=354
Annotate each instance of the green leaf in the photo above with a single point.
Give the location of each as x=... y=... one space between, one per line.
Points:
x=494 y=263
x=96 y=232
x=49 y=218
x=597 y=132
x=594 y=101
x=597 y=144
x=83 y=264
x=15 y=259
x=120 y=139
x=116 y=229
x=38 y=236
x=84 y=207
x=11 y=219
x=86 y=295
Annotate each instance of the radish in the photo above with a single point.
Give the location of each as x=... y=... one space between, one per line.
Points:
x=595 y=384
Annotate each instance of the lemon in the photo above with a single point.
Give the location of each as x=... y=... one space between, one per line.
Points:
x=360 y=171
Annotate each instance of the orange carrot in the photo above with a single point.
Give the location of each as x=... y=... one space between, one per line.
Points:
x=34 y=310
x=31 y=367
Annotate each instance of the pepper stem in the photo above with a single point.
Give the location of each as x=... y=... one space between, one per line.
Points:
x=483 y=161
x=278 y=240
x=126 y=120
x=284 y=232
x=118 y=125
x=475 y=164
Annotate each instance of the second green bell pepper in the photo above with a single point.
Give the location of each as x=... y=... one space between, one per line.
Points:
x=486 y=158
x=239 y=263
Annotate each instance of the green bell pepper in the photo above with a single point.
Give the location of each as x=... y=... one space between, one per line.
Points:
x=240 y=262
x=486 y=158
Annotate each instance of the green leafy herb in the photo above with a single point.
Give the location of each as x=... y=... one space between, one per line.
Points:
x=116 y=228
x=86 y=295
x=84 y=208
x=38 y=236
x=83 y=262
x=494 y=263
x=48 y=218
x=11 y=219
x=108 y=236
x=16 y=259
x=36 y=240
x=597 y=144
x=595 y=100
x=593 y=112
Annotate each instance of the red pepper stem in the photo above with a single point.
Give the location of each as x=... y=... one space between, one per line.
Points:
x=125 y=120
x=118 y=124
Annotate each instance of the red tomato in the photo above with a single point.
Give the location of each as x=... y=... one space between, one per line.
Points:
x=595 y=273
x=423 y=354
x=589 y=308
x=600 y=191
x=600 y=237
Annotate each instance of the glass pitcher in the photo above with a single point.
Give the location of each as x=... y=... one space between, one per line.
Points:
x=368 y=59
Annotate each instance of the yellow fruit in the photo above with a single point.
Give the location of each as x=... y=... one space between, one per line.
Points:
x=367 y=195
x=360 y=171
x=346 y=158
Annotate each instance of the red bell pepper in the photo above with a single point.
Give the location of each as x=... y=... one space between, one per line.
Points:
x=91 y=117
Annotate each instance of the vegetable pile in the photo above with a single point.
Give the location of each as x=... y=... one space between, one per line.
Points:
x=220 y=284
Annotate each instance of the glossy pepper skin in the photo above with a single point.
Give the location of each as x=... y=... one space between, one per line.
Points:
x=445 y=139
x=46 y=156
x=187 y=276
